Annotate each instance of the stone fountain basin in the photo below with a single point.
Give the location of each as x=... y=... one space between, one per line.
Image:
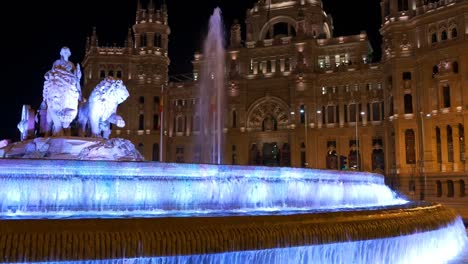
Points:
x=108 y=188
x=99 y=238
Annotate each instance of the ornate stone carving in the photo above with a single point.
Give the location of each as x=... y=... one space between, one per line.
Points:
x=61 y=93
x=100 y=110
x=265 y=110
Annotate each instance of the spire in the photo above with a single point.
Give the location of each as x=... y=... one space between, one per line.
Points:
x=151 y=11
x=138 y=12
x=88 y=43
x=164 y=11
x=129 y=41
x=94 y=38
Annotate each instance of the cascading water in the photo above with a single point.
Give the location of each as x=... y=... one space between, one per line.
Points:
x=216 y=214
x=41 y=188
x=212 y=101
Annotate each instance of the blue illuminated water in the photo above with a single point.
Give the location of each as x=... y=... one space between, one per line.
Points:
x=417 y=248
x=71 y=189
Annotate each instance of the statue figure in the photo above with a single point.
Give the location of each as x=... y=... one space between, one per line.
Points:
x=61 y=94
x=100 y=110
x=26 y=125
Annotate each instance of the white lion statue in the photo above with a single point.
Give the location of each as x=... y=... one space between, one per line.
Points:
x=61 y=94
x=100 y=110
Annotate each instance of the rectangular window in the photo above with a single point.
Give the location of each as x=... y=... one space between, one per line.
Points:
x=327 y=62
x=321 y=62
x=376 y=112
x=330 y=114
x=352 y=112
x=346 y=113
x=446 y=95
x=408 y=100
x=406 y=76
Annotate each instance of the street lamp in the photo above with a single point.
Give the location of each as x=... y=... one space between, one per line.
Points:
x=304 y=111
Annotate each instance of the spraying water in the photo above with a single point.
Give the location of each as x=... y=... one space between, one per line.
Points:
x=212 y=102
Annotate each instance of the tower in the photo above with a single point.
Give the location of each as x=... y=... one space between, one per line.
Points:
x=142 y=63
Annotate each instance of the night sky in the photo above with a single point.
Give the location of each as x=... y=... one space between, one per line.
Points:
x=31 y=41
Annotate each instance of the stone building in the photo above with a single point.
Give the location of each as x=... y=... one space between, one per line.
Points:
x=300 y=96
x=142 y=64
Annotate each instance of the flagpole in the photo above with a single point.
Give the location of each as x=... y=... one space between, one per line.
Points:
x=161 y=125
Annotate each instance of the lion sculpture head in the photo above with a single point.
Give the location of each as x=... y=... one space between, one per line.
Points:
x=100 y=109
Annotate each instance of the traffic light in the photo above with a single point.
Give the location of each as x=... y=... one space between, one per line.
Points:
x=343 y=162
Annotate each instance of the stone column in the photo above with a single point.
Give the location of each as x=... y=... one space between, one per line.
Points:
x=444 y=152
x=457 y=166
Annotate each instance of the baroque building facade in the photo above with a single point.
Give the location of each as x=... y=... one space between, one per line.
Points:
x=300 y=96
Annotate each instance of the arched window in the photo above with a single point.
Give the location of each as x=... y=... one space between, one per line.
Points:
x=408 y=100
x=454 y=32
x=462 y=188
x=438 y=188
x=434 y=38
x=378 y=160
x=332 y=160
x=283 y=29
x=111 y=73
x=410 y=147
x=449 y=144
x=141 y=100
x=446 y=96
x=438 y=145
x=141 y=122
x=450 y=189
x=155 y=152
x=443 y=35
x=180 y=124
x=461 y=141
x=119 y=74
x=102 y=74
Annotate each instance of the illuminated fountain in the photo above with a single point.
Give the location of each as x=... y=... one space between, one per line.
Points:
x=212 y=102
x=99 y=211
